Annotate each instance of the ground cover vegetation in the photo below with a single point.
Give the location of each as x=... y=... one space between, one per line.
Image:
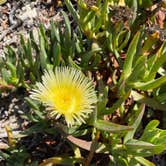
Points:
x=94 y=87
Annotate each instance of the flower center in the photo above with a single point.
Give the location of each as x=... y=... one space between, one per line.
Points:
x=67 y=100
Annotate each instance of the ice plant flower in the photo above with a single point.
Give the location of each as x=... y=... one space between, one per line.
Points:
x=68 y=92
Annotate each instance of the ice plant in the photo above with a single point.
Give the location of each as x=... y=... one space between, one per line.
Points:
x=68 y=92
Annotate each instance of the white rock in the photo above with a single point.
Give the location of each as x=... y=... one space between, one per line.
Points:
x=28 y=14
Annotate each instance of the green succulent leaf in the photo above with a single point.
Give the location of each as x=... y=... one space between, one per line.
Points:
x=142 y=148
x=67 y=23
x=127 y=69
x=151 y=102
x=111 y=127
x=72 y=10
x=155 y=62
x=54 y=32
x=61 y=160
x=11 y=55
x=138 y=70
x=35 y=107
x=130 y=134
x=154 y=135
x=43 y=54
x=148 y=85
x=144 y=161
x=29 y=54
x=56 y=53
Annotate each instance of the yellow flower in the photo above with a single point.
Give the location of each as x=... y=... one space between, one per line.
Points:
x=67 y=92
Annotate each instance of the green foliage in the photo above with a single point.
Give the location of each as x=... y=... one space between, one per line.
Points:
x=138 y=81
x=17 y=157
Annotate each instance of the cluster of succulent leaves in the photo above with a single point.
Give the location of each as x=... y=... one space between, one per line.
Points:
x=97 y=32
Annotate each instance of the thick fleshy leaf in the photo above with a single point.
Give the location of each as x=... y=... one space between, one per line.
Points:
x=56 y=51
x=43 y=54
x=62 y=161
x=67 y=24
x=70 y=7
x=142 y=148
x=138 y=69
x=155 y=62
x=73 y=64
x=29 y=54
x=144 y=161
x=148 y=85
x=35 y=107
x=162 y=98
x=151 y=102
x=11 y=140
x=54 y=32
x=130 y=55
x=131 y=133
x=111 y=127
x=153 y=134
